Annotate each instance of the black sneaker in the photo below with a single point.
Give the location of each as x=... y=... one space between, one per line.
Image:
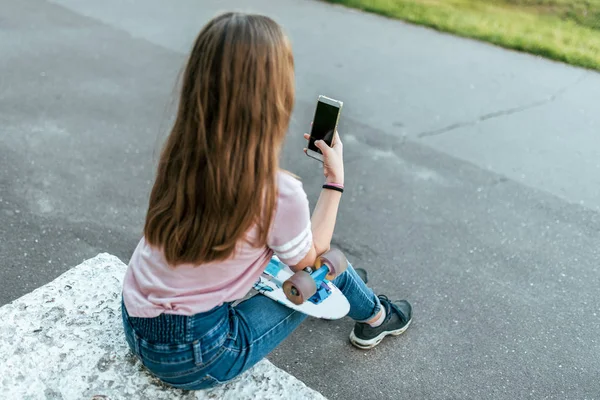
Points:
x=397 y=319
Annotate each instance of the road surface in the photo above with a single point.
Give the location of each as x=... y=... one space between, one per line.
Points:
x=473 y=183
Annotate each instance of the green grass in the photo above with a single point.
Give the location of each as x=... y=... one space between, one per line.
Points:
x=563 y=30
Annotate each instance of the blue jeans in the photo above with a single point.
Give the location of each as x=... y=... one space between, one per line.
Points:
x=213 y=347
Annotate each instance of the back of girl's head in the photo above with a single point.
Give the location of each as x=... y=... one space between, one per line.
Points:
x=217 y=171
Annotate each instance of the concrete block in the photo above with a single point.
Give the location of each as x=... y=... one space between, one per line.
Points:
x=65 y=341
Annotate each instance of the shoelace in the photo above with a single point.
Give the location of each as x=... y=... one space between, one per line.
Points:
x=383 y=297
x=385 y=301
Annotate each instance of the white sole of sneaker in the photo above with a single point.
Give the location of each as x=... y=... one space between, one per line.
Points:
x=369 y=344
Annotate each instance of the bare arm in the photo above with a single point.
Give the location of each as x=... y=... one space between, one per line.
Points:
x=323 y=219
x=323 y=224
x=325 y=212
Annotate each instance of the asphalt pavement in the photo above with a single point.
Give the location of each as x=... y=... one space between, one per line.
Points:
x=473 y=183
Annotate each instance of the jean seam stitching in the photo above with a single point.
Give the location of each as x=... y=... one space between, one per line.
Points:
x=270 y=330
x=361 y=292
x=223 y=320
x=262 y=336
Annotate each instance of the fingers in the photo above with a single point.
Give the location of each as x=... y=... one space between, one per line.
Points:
x=306 y=136
x=321 y=145
x=336 y=139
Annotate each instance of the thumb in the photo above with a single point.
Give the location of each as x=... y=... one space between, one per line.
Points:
x=321 y=145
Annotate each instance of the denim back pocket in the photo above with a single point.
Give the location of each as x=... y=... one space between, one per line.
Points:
x=170 y=360
x=210 y=346
x=167 y=354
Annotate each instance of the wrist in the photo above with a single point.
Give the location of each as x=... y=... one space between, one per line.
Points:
x=334 y=187
x=333 y=180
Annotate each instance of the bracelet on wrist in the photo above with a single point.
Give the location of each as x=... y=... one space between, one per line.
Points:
x=337 y=188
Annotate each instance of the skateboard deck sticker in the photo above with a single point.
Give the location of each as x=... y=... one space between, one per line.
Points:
x=335 y=306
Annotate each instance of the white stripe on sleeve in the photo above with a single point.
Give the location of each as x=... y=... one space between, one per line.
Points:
x=294 y=242
x=299 y=248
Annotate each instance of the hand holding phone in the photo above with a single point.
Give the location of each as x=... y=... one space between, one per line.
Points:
x=333 y=159
x=324 y=142
x=324 y=126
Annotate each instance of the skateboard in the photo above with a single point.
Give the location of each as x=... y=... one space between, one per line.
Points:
x=309 y=291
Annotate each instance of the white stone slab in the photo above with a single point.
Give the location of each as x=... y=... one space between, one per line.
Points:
x=65 y=341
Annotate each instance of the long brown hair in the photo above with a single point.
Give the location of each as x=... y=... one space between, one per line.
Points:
x=217 y=171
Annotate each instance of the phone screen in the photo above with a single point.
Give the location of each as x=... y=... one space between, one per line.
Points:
x=324 y=123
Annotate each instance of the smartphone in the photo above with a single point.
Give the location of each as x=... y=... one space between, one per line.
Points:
x=325 y=122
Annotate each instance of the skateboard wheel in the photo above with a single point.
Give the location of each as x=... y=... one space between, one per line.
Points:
x=299 y=287
x=336 y=262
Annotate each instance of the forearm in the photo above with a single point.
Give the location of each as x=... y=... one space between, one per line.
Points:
x=323 y=219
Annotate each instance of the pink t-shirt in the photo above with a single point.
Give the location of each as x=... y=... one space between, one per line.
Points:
x=152 y=287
